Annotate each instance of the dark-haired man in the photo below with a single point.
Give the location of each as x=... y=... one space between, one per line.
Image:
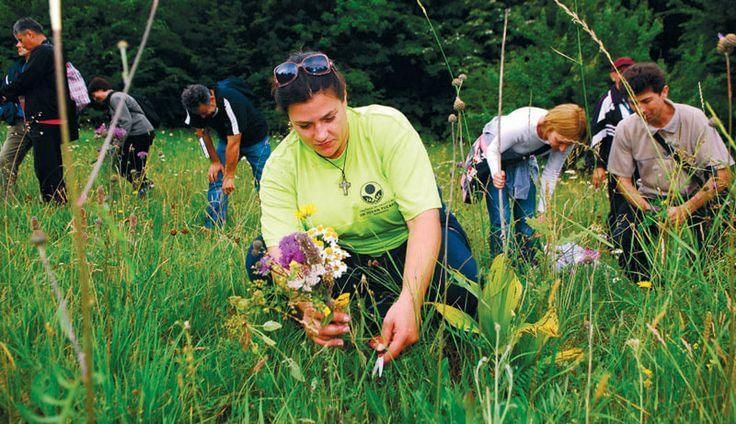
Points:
x=610 y=109
x=242 y=130
x=681 y=161
x=37 y=85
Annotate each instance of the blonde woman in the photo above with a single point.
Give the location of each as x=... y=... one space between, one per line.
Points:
x=526 y=133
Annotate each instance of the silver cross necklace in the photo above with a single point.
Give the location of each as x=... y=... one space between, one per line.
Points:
x=344 y=183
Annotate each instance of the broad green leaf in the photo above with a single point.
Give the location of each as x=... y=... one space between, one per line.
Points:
x=456 y=317
x=500 y=298
x=460 y=280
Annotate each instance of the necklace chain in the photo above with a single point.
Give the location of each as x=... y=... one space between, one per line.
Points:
x=344 y=183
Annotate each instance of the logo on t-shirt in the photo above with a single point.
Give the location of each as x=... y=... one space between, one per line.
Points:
x=371 y=192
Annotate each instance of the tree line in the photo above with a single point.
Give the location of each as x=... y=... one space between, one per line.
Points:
x=389 y=52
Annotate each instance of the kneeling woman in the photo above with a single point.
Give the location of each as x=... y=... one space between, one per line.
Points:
x=369 y=176
x=526 y=133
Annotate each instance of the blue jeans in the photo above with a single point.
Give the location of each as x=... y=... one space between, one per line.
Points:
x=522 y=209
x=256 y=155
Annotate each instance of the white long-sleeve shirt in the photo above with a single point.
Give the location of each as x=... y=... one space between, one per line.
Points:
x=519 y=135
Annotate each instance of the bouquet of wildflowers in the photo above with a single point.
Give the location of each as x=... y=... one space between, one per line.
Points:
x=309 y=264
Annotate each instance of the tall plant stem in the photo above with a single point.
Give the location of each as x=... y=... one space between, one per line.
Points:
x=78 y=219
x=504 y=237
x=730 y=95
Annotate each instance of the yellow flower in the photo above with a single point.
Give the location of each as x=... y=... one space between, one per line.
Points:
x=645 y=284
x=569 y=355
x=646 y=371
x=326 y=311
x=305 y=211
x=342 y=301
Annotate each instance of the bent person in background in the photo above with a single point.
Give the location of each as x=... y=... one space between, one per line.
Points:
x=526 y=133
x=16 y=144
x=242 y=132
x=610 y=109
x=37 y=85
x=138 y=132
x=369 y=175
x=682 y=165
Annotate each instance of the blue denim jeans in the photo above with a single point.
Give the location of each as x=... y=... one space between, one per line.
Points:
x=514 y=210
x=256 y=155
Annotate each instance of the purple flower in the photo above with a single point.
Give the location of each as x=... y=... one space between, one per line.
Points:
x=590 y=256
x=101 y=130
x=290 y=250
x=142 y=155
x=263 y=266
x=721 y=36
x=119 y=133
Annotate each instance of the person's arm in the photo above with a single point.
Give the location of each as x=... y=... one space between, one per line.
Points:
x=401 y=324
x=626 y=187
x=215 y=164
x=125 y=121
x=40 y=65
x=715 y=184
x=232 y=156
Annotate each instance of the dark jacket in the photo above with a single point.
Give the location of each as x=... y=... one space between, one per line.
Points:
x=38 y=85
x=10 y=111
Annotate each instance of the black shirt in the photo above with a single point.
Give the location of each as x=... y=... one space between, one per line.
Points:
x=235 y=114
x=38 y=84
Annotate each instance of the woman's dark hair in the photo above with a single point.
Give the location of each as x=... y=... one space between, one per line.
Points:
x=644 y=76
x=305 y=86
x=97 y=84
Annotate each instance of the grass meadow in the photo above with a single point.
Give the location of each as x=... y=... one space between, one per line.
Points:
x=171 y=344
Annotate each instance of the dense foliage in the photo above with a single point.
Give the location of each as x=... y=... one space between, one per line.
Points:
x=389 y=52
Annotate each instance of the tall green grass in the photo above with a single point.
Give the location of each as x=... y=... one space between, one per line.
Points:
x=163 y=350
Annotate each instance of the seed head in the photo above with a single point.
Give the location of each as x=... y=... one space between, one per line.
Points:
x=726 y=44
x=457 y=82
x=452 y=118
x=38 y=237
x=173 y=231
x=122 y=44
x=462 y=77
x=100 y=195
x=459 y=105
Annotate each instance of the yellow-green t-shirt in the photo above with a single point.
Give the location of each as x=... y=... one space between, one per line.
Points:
x=390 y=176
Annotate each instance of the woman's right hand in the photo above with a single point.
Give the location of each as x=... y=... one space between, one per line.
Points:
x=499 y=180
x=328 y=335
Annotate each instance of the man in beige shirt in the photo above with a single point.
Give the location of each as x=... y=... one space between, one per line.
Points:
x=680 y=160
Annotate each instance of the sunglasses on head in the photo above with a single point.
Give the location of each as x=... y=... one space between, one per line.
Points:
x=315 y=64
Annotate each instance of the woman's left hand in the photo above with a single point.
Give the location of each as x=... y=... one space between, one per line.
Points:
x=400 y=327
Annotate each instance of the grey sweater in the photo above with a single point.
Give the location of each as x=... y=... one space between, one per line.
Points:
x=132 y=118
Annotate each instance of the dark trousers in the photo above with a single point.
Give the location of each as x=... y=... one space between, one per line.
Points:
x=384 y=273
x=46 y=142
x=637 y=236
x=616 y=201
x=133 y=156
